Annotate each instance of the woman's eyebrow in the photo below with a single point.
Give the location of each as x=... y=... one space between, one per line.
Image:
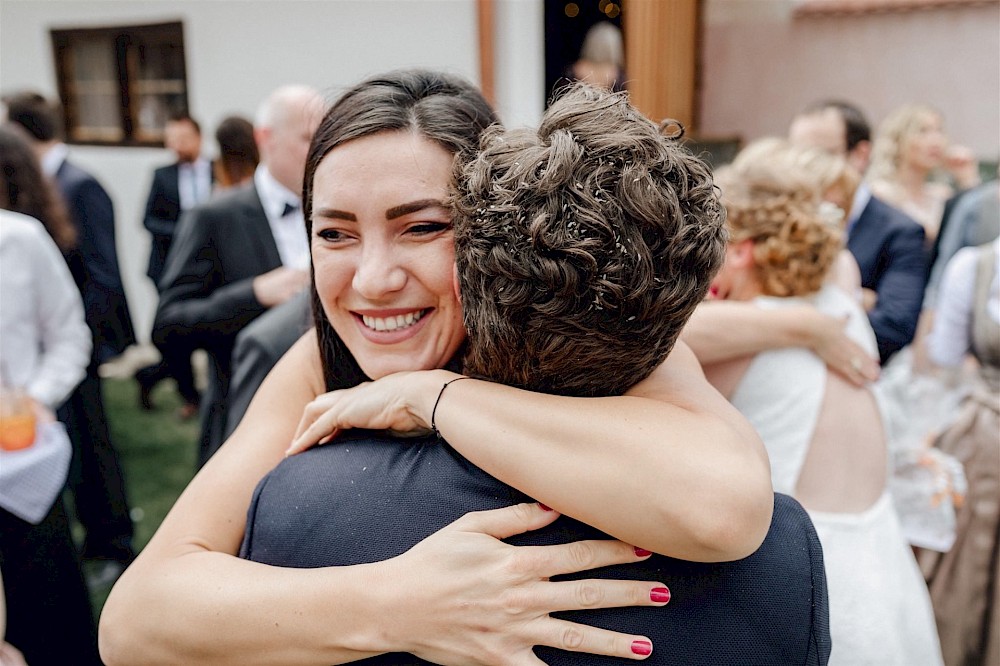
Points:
x=412 y=207
x=334 y=214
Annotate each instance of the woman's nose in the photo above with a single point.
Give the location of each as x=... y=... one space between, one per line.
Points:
x=379 y=271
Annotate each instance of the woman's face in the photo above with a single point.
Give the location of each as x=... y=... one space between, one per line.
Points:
x=924 y=148
x=383 y=254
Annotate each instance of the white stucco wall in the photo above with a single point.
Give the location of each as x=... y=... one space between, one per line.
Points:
x=239 y=50
x=761 y=66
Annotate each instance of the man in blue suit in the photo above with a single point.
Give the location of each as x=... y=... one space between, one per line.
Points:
x=887 y=244
x=96 y=477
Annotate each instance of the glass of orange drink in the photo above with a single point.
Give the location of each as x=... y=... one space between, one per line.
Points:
x=17 y=419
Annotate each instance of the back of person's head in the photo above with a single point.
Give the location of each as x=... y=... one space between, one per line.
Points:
x=443 y=108
x=280 y=103
x=238 y=156
x=38 y=116
x=25 y=189
x=796 y=237
x=773 y=165
x=283 y=130
x=603 y=44
x=583 y=247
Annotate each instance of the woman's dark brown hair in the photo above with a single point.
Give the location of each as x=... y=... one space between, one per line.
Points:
x=238 y=155
x=442 y=108
x=25 y=189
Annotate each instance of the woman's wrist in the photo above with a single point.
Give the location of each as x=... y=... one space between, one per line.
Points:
x=428 y=391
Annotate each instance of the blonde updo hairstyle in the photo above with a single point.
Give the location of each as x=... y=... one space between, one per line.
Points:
x=774 y=199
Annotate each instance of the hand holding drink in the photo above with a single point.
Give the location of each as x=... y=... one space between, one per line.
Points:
x=18 y=419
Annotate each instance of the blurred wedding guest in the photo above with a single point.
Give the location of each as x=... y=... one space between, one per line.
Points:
x=774 y=165
x=45 y=348
x=258 y=347
x=602 y=58
x=974 y=219
x=887 y=244
x=238 y=155
x=824 y=436
x=964 y=581
x=176 y=188
x=241 y=253
x=96 y=477
x=909 y=149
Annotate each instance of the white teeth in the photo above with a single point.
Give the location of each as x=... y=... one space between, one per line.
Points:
x=393 y=323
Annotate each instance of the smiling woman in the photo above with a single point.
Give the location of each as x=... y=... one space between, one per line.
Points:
x=383 y=254
x=376 y=189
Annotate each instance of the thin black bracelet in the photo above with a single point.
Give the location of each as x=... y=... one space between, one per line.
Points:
x=434 y=411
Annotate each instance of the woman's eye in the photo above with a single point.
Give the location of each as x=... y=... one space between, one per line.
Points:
x=332 y=235
x=424 y=228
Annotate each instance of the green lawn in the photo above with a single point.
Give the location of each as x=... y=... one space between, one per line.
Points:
x=158 y=452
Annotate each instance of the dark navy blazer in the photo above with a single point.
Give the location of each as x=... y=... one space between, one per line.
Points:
x=94 y=262
x=889 y=248
x=369 y=497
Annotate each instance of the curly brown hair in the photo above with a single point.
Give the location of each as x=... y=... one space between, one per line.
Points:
x=582 y=248
x=793 y=246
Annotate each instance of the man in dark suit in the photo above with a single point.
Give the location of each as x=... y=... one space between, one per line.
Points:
x=259 y=347
x=887 y=244
x=176 y=187
x=240 y=254
x=96 y=478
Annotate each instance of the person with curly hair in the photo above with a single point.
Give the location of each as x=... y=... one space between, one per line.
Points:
x=581 y=248
x=670 y=467
x=824 y=435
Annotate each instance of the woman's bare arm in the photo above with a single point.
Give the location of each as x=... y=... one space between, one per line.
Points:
x=709 y=333
x=670 y=467
x=188 y=599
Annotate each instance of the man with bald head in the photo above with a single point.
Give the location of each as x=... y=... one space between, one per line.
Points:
x=241 y=254
x=887 y=244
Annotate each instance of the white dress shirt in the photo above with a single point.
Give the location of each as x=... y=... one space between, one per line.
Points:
x=44 y=341
x=951 y=338
x=289 y=230
x=53 y=159
x=194 y=182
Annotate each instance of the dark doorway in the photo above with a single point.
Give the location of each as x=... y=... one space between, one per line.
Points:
x=566 y=24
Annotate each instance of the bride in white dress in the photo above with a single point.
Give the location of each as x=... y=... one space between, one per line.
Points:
x=824 y=435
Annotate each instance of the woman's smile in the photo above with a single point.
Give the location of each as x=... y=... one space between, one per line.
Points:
x=387 y=327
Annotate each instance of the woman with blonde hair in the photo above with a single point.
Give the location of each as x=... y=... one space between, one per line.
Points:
x=909 y=154
x=824 y=435
x=602 y=58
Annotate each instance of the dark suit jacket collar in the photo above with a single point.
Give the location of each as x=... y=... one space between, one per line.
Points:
x=248 y=206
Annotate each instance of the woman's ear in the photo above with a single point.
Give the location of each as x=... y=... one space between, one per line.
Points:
x=454 y=283
x=743 y=253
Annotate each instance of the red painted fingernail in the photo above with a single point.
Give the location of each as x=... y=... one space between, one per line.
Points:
x=641 y=552
x=642 y=647
x=543 y=507
x=659 y=595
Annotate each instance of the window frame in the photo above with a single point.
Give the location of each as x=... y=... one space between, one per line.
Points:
x=126 y=42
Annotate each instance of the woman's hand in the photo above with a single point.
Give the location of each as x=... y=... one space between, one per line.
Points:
x=843 y=355
x=472 y=599
x=401 y=402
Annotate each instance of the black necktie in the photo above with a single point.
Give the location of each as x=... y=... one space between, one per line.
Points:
x=289 y=209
